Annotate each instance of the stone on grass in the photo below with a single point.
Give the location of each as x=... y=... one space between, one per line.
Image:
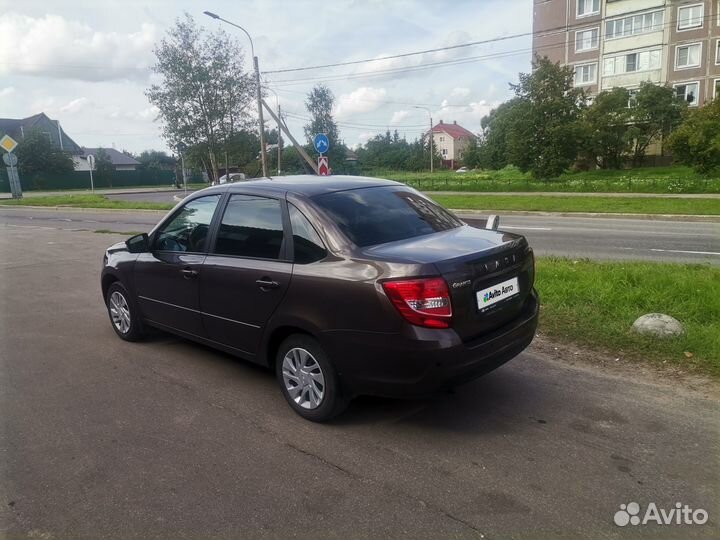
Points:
x=659 y=325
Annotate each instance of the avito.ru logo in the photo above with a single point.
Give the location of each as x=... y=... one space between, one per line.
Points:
x=629 y=514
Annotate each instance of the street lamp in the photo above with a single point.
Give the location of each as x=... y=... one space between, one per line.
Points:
x=431 y=134
x=261 y=126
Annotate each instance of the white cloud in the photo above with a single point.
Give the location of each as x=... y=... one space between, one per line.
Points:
x=56 y=47
x=362 y=100
x=460 y=92
x=399 y=116
x=8 y=90
x=75 y=106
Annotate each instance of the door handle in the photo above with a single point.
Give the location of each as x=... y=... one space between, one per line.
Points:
x=189 y=273
x=266 y=283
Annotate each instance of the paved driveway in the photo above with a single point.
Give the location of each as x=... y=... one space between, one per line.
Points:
x=164 y=438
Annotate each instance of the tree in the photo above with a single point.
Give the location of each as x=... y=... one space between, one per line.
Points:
x=656 y=112
x=390 y=151
x=155 y=160
x=471 y=156
x=319 y=104
x=497 y=128
x=37 y=154
x=607 y=138
x=203 y=96
x=104 y=168
x=545 y=141
x=697 y=141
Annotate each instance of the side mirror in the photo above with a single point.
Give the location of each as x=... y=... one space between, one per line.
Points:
x=140 y=243
x=493 y=222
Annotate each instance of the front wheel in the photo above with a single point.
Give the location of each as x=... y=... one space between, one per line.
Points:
x=124 y=316
x=308 y=379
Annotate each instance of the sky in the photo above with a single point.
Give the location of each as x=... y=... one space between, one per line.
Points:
x=87 y=63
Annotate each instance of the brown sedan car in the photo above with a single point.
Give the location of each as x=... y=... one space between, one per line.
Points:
x=342 y=285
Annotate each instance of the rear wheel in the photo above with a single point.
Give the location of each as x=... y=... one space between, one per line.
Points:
x=123 y=314
x=308 y=379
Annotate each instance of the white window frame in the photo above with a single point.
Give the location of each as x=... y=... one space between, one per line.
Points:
x=591 y=47
x=638 y=64
x=444 y=151
x=716 y=84
x=579 y=15
x=677 y=55
x=587 y=83
x=686 y=84
x=690 y=6
x=717 y=52
x=651 y=12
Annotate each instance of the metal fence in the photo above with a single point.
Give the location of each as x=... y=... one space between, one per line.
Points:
x=81 y=180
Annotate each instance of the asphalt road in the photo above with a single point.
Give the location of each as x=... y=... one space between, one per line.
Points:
x=106 y=439
x=595 y=238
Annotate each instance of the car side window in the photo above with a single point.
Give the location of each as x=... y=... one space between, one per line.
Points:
x=188 y=229
x=251 y=227
x=308 y=246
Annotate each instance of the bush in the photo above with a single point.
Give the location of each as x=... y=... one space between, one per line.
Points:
x=697 y=141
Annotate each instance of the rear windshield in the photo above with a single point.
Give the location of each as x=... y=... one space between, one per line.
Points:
x=376 y=215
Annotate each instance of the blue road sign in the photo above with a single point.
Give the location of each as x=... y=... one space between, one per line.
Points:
x=322 y=144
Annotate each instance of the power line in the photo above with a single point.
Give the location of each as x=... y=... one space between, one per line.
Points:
x=459 y=61
x=547 y=32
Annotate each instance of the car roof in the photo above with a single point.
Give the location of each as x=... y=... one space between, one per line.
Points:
x=306 y=184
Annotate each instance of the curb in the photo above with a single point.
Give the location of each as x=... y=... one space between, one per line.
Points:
x=81 y=209
x=471 y=214
x=598 y=194
x=647 y=217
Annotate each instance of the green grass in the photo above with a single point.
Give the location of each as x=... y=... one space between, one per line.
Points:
x=594 y=304
x=674 y=179
x=86 y=201
x=613 y=205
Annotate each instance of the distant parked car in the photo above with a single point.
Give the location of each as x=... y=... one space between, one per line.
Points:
x=343 y=285
x=233 y=177
x=462 y=170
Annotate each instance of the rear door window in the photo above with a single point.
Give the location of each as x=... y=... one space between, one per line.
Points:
x=251 y=226
x=377 y=215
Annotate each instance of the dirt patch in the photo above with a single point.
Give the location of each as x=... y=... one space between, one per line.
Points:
x=625 y=367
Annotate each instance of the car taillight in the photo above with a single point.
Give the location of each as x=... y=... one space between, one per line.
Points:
x=424 y=302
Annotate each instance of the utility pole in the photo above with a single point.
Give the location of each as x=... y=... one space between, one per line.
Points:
x=258 y=93
x=430 y=135
x=298 y=146
x=263 y=158
x=279 y=138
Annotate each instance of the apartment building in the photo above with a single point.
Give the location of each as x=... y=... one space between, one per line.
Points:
x=613 y=43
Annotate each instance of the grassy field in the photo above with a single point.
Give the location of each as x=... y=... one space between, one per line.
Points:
x=613 y=205
x=674 y=179
x=488 y=202
x=86 y=201
x=595 y=304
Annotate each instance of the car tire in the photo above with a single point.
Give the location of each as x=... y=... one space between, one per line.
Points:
x=313 y=372
x=124 y=316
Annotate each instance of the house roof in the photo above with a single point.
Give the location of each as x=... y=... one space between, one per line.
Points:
x=16 y=127
x=454 y=130
x=117 y=158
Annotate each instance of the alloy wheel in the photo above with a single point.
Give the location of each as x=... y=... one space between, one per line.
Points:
x=119 y=312
x=303 y=378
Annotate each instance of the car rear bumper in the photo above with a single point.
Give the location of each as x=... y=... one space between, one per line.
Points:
x=427 y=360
